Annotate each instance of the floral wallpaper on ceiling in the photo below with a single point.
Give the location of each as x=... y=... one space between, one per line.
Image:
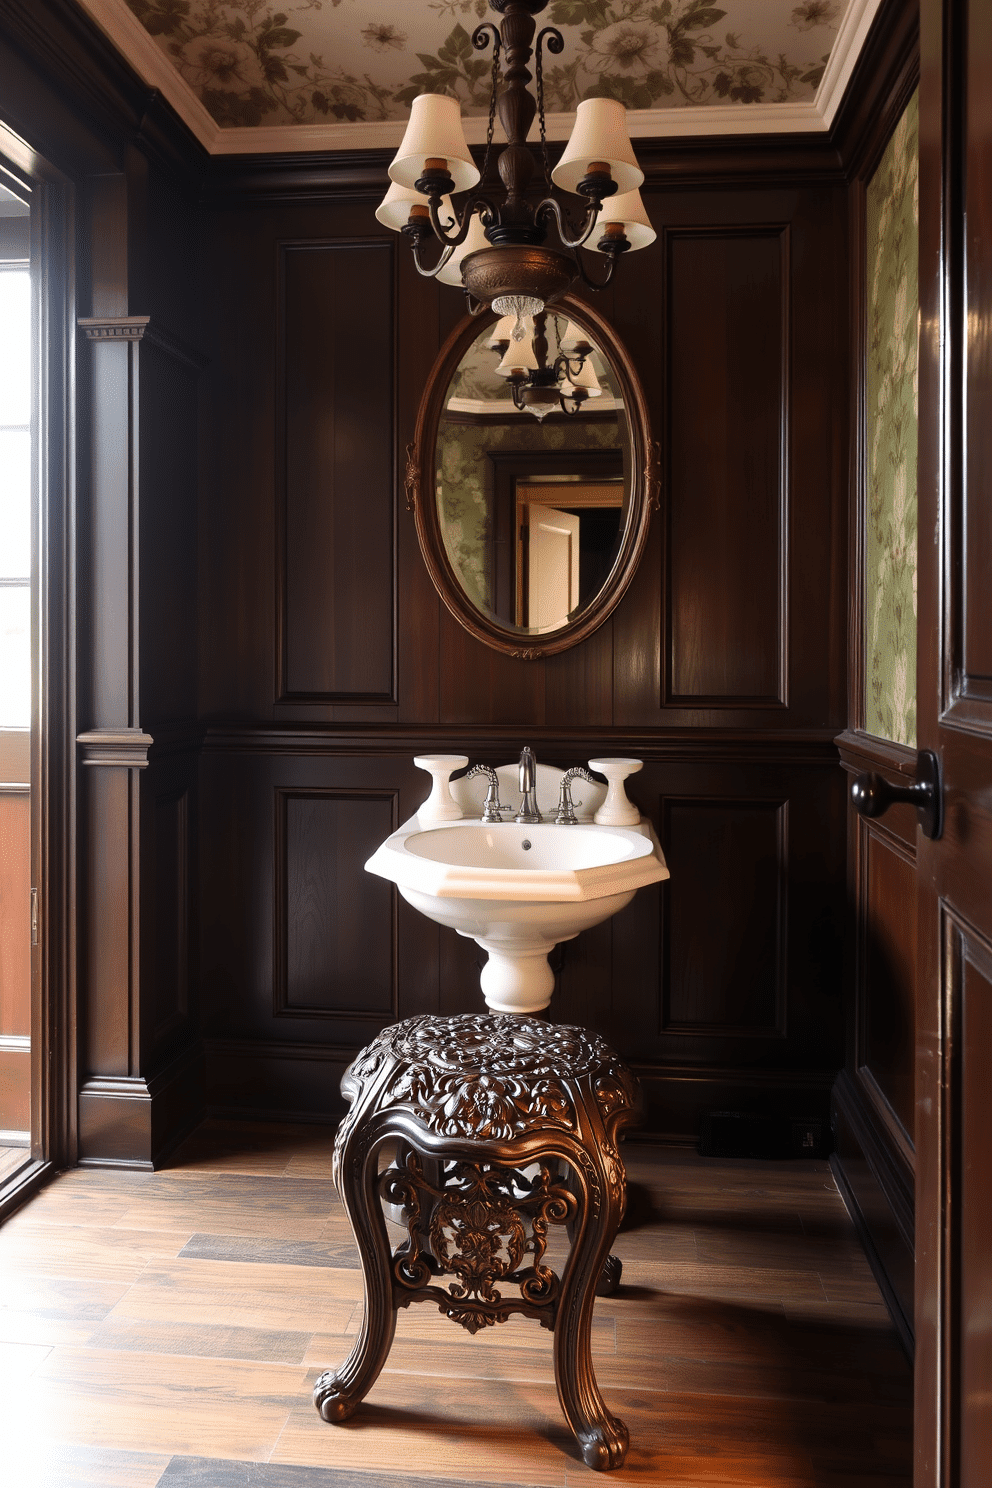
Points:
x=307 y=61
x=892 y=253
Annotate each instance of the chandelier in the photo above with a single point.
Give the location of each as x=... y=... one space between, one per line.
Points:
x=539 y=383
x=495 y=249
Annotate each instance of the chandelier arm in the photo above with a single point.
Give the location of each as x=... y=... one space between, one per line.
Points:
x=592 y=283
x=434 y=269
x=550 y=207
x=572 y=366
x=477 y=201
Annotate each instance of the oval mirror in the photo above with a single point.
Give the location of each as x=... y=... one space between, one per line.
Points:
x=533 y=477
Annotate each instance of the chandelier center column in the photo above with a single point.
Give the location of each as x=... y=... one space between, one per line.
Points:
x=516 y=107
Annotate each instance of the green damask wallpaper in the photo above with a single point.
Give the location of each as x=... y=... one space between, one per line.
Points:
x=891 y=415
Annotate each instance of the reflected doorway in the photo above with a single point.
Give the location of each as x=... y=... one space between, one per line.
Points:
x=568 y=534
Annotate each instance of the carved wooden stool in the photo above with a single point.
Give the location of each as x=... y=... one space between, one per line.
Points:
x=498 y=1126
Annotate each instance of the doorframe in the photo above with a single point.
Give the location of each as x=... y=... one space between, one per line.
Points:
x=53 y=255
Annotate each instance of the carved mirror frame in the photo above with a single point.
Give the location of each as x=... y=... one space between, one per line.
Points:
x=644 y=491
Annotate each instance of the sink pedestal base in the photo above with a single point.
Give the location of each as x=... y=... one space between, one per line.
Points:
x=499 y=1127
x=517 y=980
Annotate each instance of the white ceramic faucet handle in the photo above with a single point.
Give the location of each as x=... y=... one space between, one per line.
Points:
x=616 y=810
x=440 y=804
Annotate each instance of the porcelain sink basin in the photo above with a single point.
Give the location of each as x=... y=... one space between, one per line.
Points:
x=541 y=862
x=518 y=890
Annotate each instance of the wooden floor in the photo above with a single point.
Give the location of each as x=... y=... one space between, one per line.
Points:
x=167 y=1329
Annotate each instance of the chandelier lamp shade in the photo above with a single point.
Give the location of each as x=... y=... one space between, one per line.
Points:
x=494 y=243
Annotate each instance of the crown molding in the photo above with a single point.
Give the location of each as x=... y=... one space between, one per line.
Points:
x=858 y=21
x=129 y=37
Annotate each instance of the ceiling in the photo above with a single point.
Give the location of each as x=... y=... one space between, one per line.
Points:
x=276 y=75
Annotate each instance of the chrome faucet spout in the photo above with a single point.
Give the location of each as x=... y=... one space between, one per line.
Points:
x=528 y=813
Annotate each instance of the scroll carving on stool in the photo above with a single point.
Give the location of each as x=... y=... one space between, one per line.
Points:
x=497 y=1128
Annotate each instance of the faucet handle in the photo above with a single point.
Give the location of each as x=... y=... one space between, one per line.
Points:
x=440 y=804
x=617 y=810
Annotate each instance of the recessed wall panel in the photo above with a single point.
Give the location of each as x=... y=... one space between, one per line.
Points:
x=888 y=988
x=724 y=964
x=335 y=923
x=337 y=354
x=727 y=436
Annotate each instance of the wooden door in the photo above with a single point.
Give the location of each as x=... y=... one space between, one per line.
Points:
x=954 y=993
x=552 y=566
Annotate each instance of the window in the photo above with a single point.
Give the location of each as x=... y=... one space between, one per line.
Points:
x=15 y=496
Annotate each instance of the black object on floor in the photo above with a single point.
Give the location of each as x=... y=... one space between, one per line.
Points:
x=748 y=1134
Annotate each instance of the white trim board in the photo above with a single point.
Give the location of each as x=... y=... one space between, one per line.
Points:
x=126 y=33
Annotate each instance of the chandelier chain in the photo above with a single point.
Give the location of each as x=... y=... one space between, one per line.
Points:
x=539 y=70
x=493 y=88
x=553 y=39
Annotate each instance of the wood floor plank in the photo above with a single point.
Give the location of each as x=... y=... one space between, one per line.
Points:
x=763 y=1249
x=202 y=1340
x=275 y=1149
x=49 y=1310
x=273 y=1252
x=770 y=1282
x=233 y=1204
x=87 y=1252
x=60 y=1465
x=511 y=1432
x=226 y=1294
x=199 y=1472
x=150 y=1402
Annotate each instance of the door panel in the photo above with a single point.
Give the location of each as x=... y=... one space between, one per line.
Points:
x=954 y=985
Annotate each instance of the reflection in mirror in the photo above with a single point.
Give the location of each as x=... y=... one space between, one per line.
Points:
x=533 y=511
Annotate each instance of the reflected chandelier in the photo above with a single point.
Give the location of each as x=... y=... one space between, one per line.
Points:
x=496 y=249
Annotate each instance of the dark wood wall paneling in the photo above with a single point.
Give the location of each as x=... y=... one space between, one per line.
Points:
x=874 y=1097
x=328 y=662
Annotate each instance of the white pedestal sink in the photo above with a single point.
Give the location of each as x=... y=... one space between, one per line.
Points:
x=519 y=890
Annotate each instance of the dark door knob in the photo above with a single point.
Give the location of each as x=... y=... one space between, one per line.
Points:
x=872 y=795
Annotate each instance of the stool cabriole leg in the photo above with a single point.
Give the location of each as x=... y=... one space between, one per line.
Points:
x=602 y=1438
x=338 y=1393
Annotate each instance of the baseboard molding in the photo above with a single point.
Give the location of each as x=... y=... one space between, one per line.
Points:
x=876 y=1183
x=676 y=1097
x=130 y=1122
x=249 y=1078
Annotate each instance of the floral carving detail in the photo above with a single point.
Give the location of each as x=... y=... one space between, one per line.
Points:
x=485 y=1219
x=411 y=478
x=492 y=1077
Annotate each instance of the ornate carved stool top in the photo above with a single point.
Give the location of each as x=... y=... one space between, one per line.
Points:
x=492 y=1076
x=497 y=1126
